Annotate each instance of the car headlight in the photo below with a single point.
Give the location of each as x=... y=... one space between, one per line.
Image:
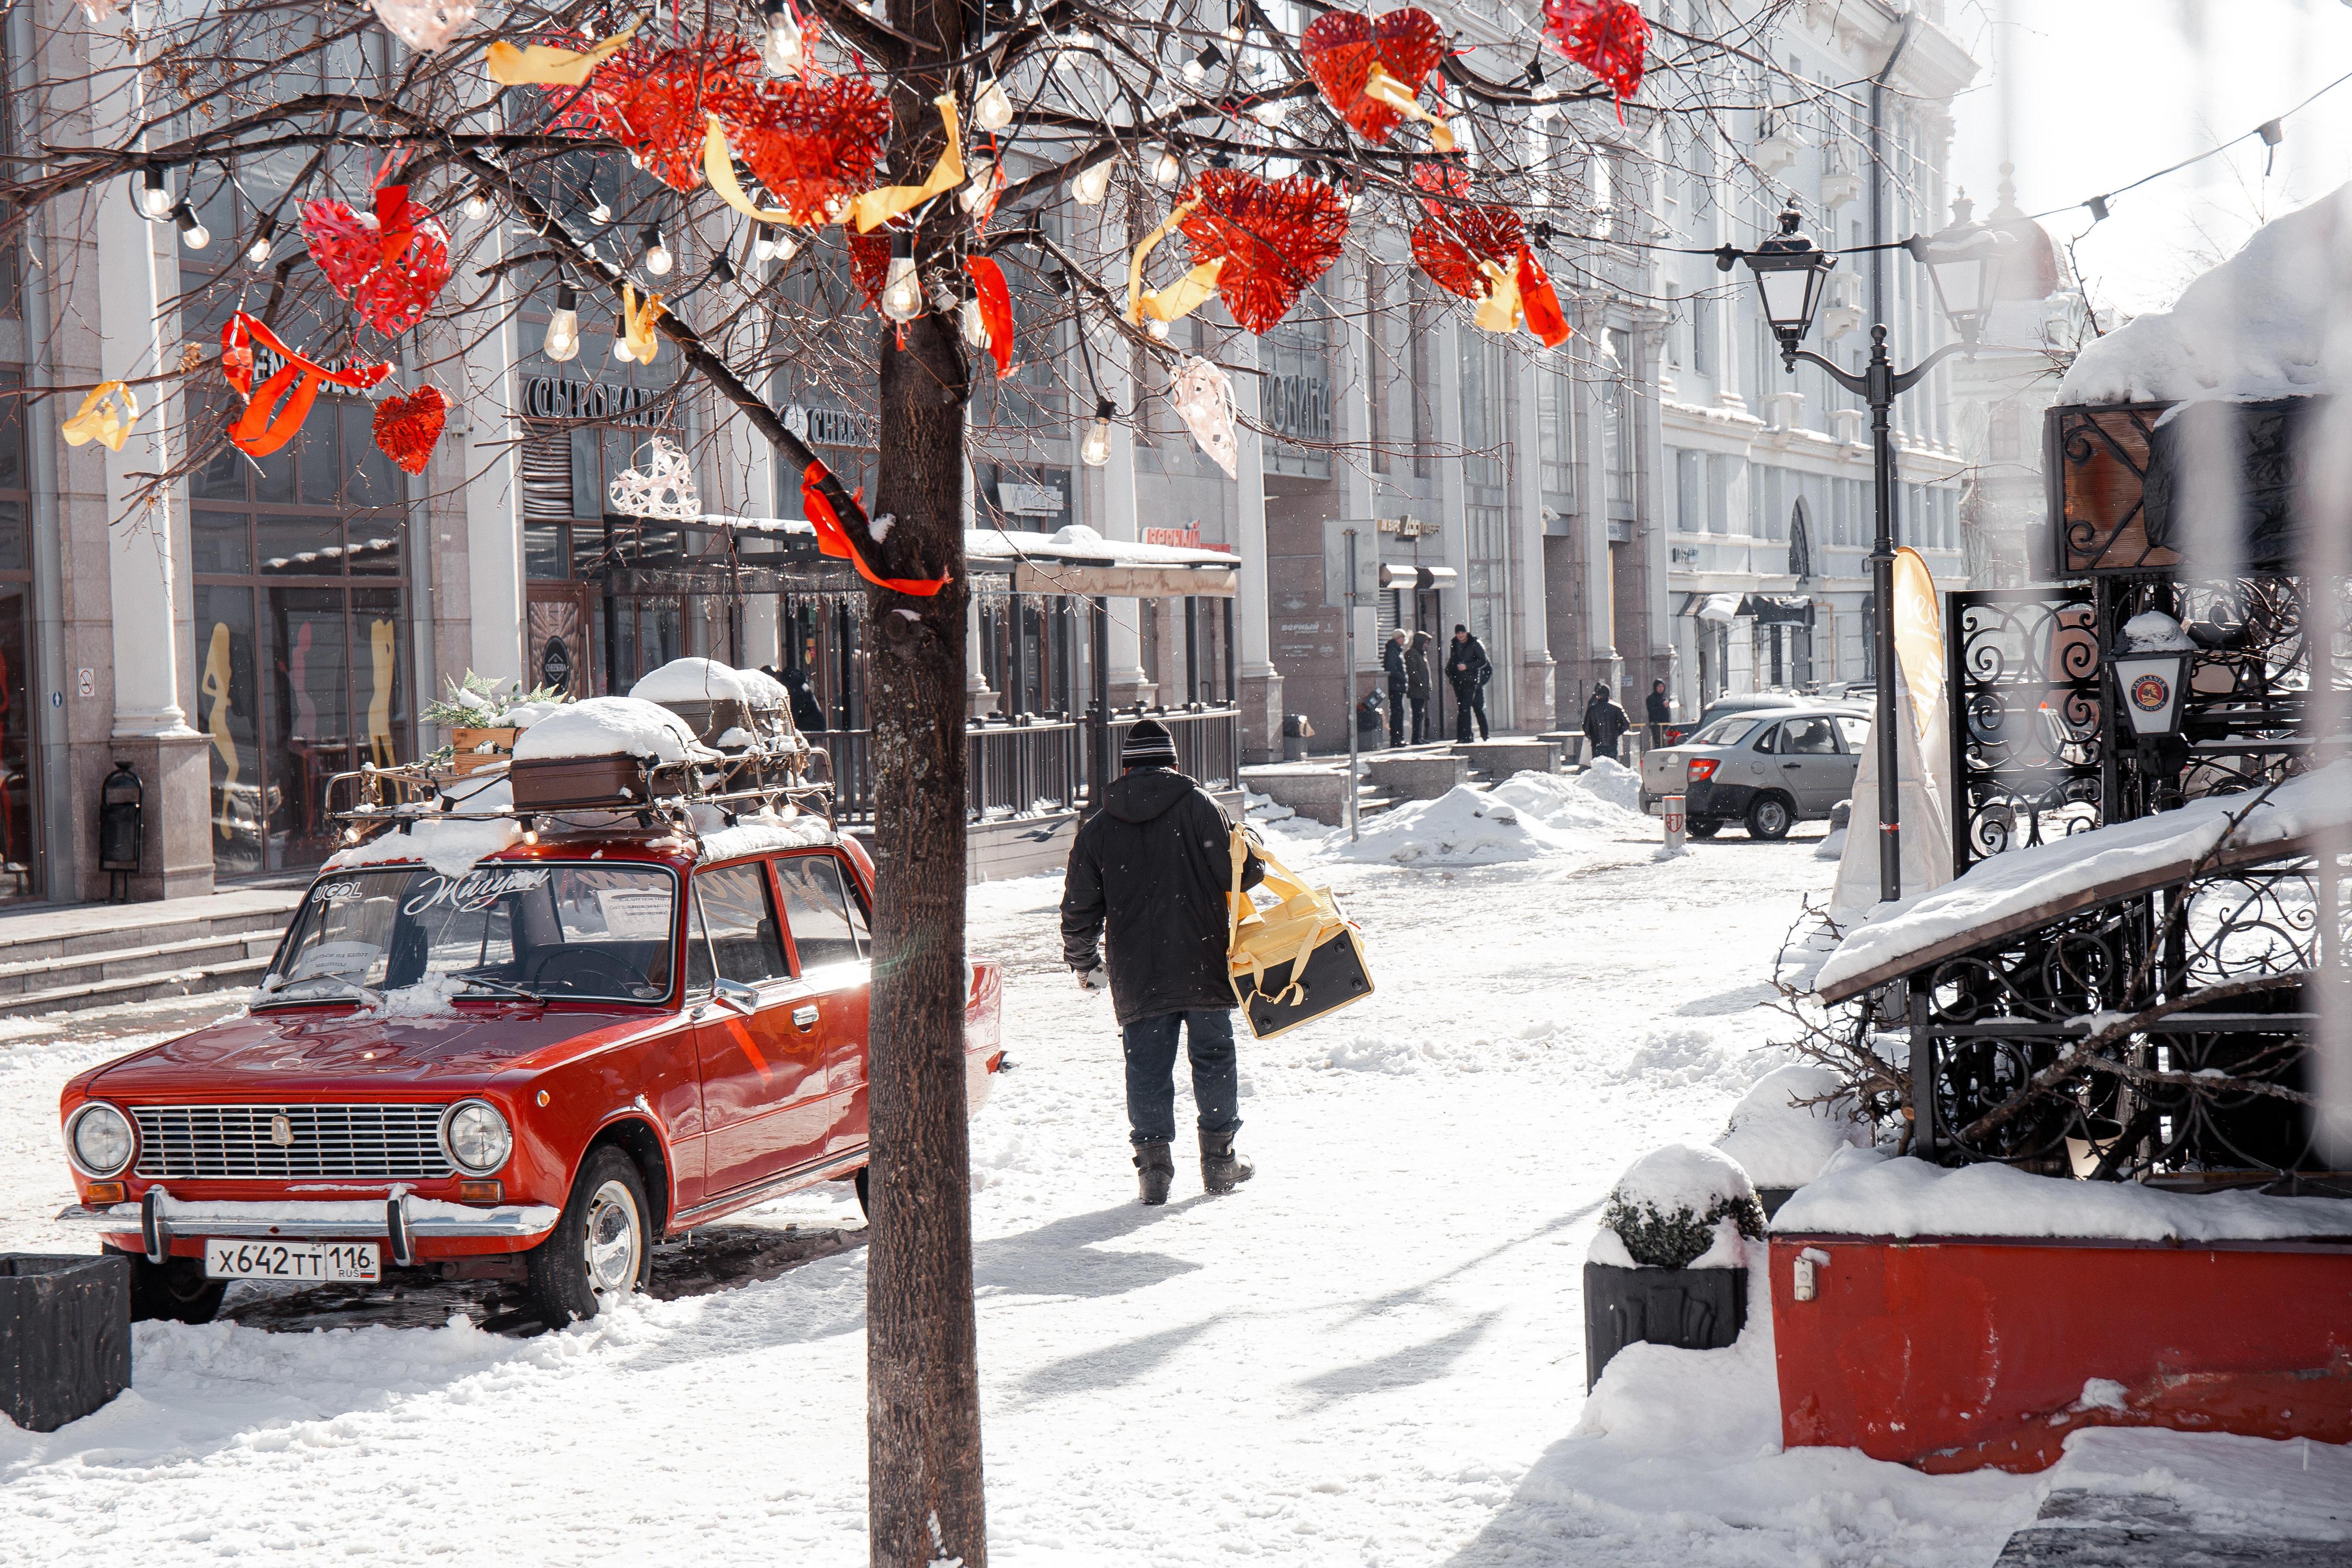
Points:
x=100 y=1139
x=477 y=1137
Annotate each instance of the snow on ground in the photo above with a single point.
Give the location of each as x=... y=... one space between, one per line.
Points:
x=1370 y=1355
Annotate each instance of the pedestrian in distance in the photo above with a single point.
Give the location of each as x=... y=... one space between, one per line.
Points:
x=1605 y=724
x=1417 y=683
x=1148 y=877
x=1392 y=660
x=1660 y=713
x=1468 y=669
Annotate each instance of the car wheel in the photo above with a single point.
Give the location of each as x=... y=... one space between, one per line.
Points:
x=601 y=1249
x=175 y=1291
x=865 y=1200
x=1704 y=827
x=1769 y=817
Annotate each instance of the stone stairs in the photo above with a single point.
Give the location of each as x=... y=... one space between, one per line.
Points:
x=74 y=958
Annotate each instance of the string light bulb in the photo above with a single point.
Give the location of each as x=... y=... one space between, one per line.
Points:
x=478 y=204
x=981 y=173
x=257 y=253
x=762 y=247
x=975 y=326
x=154 y=195
x=1093 y=184
x=563 y=342
x=1094 y=450
x=598 y=212
x=780 y=39
x=784 y=247
x=193 y=232
x=992 y=109
x=902 y=292
x=1197 y=68
x=621 y=343
x=1157 y=327
x=658 y=259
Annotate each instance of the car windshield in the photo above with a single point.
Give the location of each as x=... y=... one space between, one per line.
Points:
x=1725 y=733
x=551 y=932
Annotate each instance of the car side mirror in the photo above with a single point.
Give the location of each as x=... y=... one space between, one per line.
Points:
x=743 y=998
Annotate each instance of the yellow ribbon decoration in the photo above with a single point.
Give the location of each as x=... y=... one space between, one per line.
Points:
x=1180 y=298
x=879 y=206
x=718 y=168
x=543 y=65
x=98 y=421
x=637 y=325
x=1383 y=88
x=1500 y=310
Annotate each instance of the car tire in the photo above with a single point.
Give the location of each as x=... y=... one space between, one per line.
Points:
x=1770 y=817
x=865 y=1197
x=1705 y=826
x=175 y=1291
x=601 y=1248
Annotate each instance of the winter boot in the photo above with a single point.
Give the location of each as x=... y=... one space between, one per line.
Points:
x=1155 y=1167
x=1222 y=1170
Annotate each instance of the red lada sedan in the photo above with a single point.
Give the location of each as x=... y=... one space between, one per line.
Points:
x=533 y=1070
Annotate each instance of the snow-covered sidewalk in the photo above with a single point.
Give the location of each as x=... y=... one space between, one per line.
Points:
x=1372 y=1354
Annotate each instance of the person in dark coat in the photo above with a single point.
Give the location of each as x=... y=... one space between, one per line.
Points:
x=1392 y=660
x=1605 y=723
x=1468 y=669
x=807 y=717
x=1149 y=875
x=1416 y=684
x=1660 y=713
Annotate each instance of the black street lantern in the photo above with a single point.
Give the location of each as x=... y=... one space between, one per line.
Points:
x=2150 y=668
x=1964 y=262
x=1792 y=272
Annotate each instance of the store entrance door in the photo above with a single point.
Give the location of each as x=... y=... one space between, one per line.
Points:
x=556 y=647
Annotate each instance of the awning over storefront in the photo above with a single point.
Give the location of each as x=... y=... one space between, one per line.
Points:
x=1076 y=560
x=1718 y=608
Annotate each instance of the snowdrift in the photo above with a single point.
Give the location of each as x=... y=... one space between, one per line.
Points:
x=1530 y=816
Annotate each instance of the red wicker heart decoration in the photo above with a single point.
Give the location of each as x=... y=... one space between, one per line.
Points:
x=1455 y=237
x=869 y=265
x=653 y=101
x=813 y=144
x=1343 y=47
x=571 y=111
x=391 y=264
x=1610 y=38
x=406 y=428
x=1277 y=238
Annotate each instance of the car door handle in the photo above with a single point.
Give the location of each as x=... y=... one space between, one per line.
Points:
x=1792 y=764
x=804 y=1016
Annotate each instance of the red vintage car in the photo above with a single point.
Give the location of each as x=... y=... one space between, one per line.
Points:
x=533 y=1068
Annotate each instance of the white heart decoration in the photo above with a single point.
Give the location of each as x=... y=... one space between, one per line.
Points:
x=1204 y=401
x=665 y=489
x=424 y=24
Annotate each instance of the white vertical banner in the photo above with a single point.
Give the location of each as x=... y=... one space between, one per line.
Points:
x=1923 y=726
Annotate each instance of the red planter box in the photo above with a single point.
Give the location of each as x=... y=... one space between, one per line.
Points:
x=1962 y=1354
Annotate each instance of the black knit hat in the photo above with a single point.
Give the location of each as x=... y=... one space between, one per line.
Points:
x=1148 y=745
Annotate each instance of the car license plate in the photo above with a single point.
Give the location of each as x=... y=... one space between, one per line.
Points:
x=296 y=1262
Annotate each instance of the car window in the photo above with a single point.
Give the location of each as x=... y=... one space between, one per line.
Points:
x=698 y=971
x=1723 y=732
x=745 y=941
x=817 y=909
x=1856 y=732
x=1768 y=738
x=1808 y=738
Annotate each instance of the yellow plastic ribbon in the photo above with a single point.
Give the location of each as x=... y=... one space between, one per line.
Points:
x=638 y=340
x=1180 y=298
x=1383 y=88
x=1500 y=310
x=878 y=207
x=718 y=168
x=543 y=65
x=98 y=421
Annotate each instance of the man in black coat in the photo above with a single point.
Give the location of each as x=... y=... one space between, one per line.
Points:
x=1149 y=874
x=1661 y=714
x=1417 y=683
x=1605 y=723
x=1468 y=668
x=1392 y=661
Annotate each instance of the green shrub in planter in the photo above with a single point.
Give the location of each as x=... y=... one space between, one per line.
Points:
x=1678 y=1238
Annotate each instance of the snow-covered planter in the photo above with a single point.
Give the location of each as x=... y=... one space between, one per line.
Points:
x=1785 y=1128
x=1669 y=1265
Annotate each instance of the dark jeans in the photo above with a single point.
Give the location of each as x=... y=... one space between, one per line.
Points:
x=1396 y=713
x=1467 y=701
x=1420 y=717
x=1151 y=1073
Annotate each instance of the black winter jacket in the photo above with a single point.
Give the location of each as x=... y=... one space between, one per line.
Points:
x=1392 y=661
x=1469 y=651
x=1149 y=874
x=1416 y=665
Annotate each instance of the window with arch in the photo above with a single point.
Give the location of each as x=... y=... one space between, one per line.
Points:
x=1800 y=541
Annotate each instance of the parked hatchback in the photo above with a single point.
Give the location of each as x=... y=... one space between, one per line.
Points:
x=1769 y=768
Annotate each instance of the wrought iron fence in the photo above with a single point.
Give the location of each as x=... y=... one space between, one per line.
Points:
x=1022 y=769
x=1208 y=741
x=2027 y=713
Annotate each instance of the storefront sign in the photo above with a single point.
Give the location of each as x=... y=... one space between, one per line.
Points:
x=547 y=397
x=1410 y=527
x=832 y=427
x=1028 y=500
x=1185 y=538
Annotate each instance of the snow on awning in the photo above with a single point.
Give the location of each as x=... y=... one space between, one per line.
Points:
x=1077 y=560
x=1718 y=607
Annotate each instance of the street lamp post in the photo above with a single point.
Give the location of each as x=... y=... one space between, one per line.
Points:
x=1791 y=274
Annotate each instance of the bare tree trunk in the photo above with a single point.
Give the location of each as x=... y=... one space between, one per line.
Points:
x=924 y=1498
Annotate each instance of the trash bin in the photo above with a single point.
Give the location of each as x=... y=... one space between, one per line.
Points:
x=121 y=810
x=65 y=1336
x=1295 y=733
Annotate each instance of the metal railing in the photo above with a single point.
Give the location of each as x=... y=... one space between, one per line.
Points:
x=1024 y=768
x=1208 y=741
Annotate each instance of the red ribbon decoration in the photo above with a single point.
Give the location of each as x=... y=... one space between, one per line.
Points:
x=257 y=431
x=1539 y=302
x=825 y=502
x=995 y=308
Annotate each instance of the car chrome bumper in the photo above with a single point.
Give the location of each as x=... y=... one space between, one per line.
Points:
x=399 y=1222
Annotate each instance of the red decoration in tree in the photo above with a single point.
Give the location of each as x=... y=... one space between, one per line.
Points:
x=1454 y=240
x=995 y=308
x=869 y=265
x=391 y=264
x=814 y=144
x=406 y=428
x=1343 y=47
x=1610 y=38
x=1277 y=236
x=654 y=101
x=274 y=411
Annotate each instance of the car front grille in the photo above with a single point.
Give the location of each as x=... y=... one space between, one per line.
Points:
x=366 y=1142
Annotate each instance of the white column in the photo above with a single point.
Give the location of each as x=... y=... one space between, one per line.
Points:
x=1349 y=362
x=1258 y=681
x=1115 y=517
x=1532 y=689
x=978 y=698
x=494 y=494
